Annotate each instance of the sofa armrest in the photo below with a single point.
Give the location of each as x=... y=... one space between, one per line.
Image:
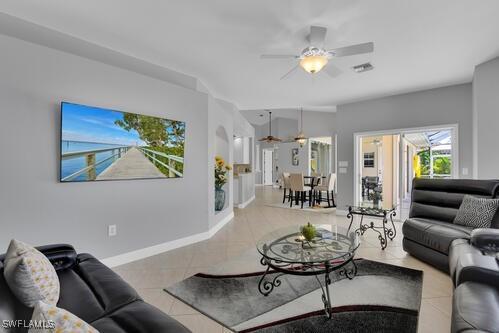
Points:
x=62 y=256
x=486 y=240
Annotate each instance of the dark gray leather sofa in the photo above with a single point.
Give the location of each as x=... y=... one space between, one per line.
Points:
x=429 y=230
x=93 y=292
x=474 y=271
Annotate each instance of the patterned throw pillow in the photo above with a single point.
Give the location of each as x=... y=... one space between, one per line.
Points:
x=30 y=275
x=57 y=320
x=476 y=212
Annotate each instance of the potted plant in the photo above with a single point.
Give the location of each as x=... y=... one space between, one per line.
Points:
x=221 y=177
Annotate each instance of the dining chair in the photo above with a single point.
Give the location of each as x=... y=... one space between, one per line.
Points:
x=299 y=190
x=317 y=177
x=328 y=187
x=286 y=185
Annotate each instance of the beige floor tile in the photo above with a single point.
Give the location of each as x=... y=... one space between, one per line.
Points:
x=180 y=308
x=209 y=258
x=199 y=323
x=239 y=236
x=432 y=320
x=396 y=251
x=152 y=278
x=157 y=297
x=444 y=304
x=194 y=270
x=373 y=253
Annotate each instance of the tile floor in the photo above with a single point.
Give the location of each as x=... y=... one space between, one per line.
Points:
x=152 y=274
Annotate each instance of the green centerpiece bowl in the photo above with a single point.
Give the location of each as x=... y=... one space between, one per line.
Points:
x=308 y=231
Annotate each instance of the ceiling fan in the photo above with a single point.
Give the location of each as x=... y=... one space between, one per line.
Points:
x=315 y=57
x=270 y=138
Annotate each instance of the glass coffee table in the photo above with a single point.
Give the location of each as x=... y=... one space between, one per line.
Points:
x=285 y=251
x=385 y=230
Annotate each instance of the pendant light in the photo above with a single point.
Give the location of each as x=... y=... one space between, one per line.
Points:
x=301 y=138
x=270 y=138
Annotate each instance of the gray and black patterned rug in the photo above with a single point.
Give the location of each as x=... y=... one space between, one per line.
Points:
x=381 y=298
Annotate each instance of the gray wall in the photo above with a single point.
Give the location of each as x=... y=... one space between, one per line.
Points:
x=315 y=124
x=36 y=208
x=439 y=106
x=284 y=159
x=220 y=119
x=486 y=120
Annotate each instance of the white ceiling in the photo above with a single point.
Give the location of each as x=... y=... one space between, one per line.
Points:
x=260 y=117
x=418 y=44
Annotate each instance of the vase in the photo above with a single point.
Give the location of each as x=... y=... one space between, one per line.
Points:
x=219 y=199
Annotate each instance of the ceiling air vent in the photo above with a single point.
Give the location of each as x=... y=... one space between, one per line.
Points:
x=363 y=68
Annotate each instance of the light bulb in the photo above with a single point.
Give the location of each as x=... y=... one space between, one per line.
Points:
x=314 y=63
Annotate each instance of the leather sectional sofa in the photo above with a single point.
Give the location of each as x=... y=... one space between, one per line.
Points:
x=474 y=269
x=470 y=256
x=93 y=292
x=429 y=230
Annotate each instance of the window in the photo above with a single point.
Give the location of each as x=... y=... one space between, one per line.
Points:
x=369 y=160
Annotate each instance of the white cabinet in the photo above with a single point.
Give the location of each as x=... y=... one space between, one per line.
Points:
x=244 y=189
x=246 y=151
x=242 y=150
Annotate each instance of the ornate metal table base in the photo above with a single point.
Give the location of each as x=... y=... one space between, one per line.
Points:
x=347 y=269
x=384 y=231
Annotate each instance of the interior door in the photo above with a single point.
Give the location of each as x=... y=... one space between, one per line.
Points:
x=267 y=166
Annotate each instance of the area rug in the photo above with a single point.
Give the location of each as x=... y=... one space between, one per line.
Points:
x=306 y=208
x=381 y=298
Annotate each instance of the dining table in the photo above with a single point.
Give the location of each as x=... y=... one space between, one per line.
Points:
x=313 y=181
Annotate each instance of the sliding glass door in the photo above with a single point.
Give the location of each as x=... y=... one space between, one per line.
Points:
x=386 y=163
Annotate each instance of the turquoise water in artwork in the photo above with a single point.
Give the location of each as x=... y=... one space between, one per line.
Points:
x=72 y=165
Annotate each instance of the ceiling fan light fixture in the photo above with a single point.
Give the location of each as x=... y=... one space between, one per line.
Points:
x=270 y=138
x=314 y=63
x=301 y=139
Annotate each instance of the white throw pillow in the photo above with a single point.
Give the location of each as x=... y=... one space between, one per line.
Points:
x=30 y=275
x=56 y=320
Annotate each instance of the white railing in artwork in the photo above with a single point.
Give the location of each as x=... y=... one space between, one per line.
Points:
x=169 y=165
x=91 y=161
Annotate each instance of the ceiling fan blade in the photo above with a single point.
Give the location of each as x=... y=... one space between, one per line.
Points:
x=289 y=73
x=278 y=56
x=353 y=50
x=332 y=70
x=317 y=36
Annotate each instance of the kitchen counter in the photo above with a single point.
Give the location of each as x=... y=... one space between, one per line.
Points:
x=244 y=189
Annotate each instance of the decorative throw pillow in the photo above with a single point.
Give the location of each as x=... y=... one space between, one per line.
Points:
x=476 y=212
x=53 y=319
x=30 y=275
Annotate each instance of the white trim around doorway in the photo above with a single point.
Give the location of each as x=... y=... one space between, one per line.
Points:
x=358 y=135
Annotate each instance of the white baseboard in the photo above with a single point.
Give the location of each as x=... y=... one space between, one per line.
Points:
x=213 y=230
x=246 y=203
x=127 y=257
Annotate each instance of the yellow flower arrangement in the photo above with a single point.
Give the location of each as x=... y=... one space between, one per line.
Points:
x=221 y=170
